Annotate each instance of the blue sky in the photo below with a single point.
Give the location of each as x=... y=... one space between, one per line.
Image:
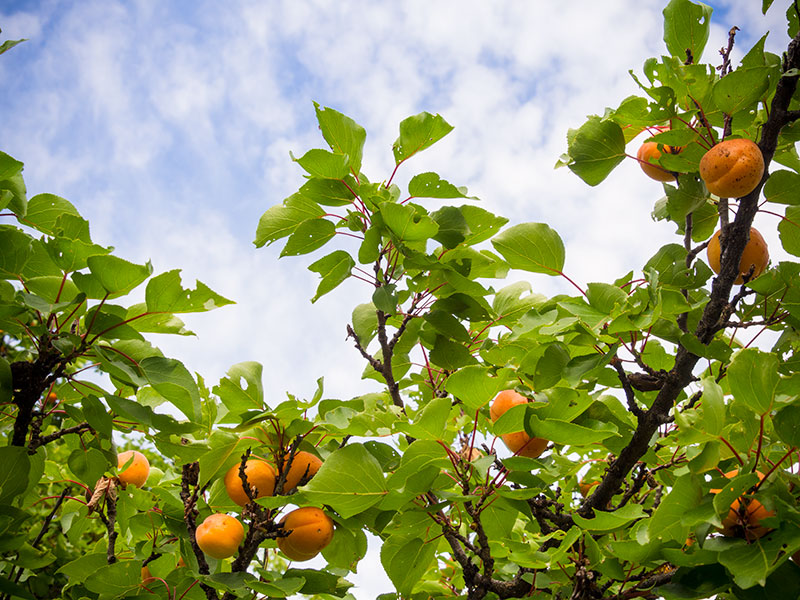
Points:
x=169 y=126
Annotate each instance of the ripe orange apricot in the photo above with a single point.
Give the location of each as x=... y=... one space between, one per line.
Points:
x=50 y=400
x=260 y=475
x=219 y=535
x=147 y=576
x=755 y=255
x=304 y=466
x=136 y=473
x=648 y=154
x=503 y=401
x=586 y=487
x=310 y=530
x=745 y=515
x=519 y=442
x=732 y=168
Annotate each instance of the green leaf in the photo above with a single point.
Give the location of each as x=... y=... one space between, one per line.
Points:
x=741 y=89
x=328 y=192
x=453 y=228
x=324 y=164
x=753 y=377
x=87 y=465
x=45 y=209
x=97 y=415
x=243 y=388
x=482 y=224
x=605 y=297
x=369 y=250
x=685 y=199
x=279 y=588
x=789 y=230
x=343 y=135
x=531 y=247
x=172 y=380
x=15 y=249
x=430 y=185
x=384 y=299
x=70 y=254
x=476 y=385
x=417 y=133
x=365 y=322
x=564 y=432
x=115 y=580
x=787 y=425
x=117 y=276
x=595 y=149
x=713 y=407
x=430 y=422
x=283 y=219
x=5 y=47
x=319 y=582
x=686 y=27
x=9 y=166
x=666 y=522
x=446 y=324
x=165 y=294
x=606 y=522
x=147 y=417
x=225 y=450
x=334 y=269
x=14 y=475
x=450 y=355
x=349 y=481
x=783 y=187
x=13 y=589
x=309 y=235
x=406 y=223
x=405 y=560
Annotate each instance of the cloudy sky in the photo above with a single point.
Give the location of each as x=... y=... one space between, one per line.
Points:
x=169 y=126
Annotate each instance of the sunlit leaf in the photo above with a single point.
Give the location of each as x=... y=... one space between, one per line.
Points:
x=531 y=247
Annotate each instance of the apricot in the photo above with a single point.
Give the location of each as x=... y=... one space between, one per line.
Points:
x=519 y=442
x=304 y=466
x=755 y=255
x=586 y=487
x=260 y=475
x=745 y=515
x=648 y=154
x=309 y=531
x=147 y=576
x=137 y=471
x=733 y=168
x=219 y=535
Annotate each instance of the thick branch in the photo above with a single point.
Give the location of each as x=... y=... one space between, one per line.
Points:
x=37 y=441
x=738 y=235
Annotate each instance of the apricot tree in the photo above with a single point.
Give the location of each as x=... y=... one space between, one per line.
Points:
x=672 y=425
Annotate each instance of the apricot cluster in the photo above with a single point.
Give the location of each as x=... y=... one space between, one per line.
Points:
x=262 y=476
x=308 y=529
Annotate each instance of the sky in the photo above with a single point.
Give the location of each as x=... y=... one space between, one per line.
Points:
x=169 y=126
